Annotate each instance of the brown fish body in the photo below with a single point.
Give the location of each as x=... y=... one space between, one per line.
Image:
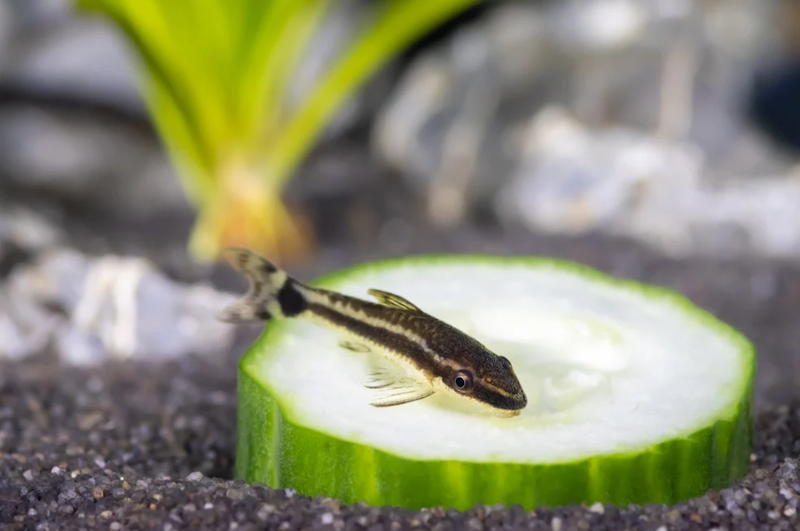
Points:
x=444 y=358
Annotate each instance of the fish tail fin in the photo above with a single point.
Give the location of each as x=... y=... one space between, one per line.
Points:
x=273 y=294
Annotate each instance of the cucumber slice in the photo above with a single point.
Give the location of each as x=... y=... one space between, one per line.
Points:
x=635 y=395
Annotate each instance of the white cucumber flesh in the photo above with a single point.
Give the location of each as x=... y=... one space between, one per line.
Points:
x=635 y=395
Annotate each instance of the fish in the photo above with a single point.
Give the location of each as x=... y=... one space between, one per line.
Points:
x=437 y=357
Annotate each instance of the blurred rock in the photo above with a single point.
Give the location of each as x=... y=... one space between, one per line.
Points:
x=68 y=154
x=29 y=230
x=103 y=166
x=575 y=180
x=623 y=182
x=83 y=57
x=6 y=29
x=597 y=115
x=591 y=25
x=89 y=308
x=34 y=15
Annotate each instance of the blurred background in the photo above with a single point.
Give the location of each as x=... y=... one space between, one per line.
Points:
x=136 y=140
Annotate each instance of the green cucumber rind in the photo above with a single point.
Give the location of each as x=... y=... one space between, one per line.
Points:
x=316 y=463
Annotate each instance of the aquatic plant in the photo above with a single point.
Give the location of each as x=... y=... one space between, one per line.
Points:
x=216 y=80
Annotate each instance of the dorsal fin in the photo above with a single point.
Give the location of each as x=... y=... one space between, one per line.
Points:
x=392 y=300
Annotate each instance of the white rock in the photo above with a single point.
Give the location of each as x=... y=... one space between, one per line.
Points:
x=575 y=180
x=114 y=306
x=600 y=24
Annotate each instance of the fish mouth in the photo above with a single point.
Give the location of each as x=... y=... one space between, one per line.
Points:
x=519 y=405
x=508 y=413
x=503 y=398
x=500 y=411
x=509 y=406
x=515 y=402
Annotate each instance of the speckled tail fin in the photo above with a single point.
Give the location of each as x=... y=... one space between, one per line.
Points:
x=272 y=294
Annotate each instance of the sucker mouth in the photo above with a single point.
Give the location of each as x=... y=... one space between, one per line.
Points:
x=507 y=413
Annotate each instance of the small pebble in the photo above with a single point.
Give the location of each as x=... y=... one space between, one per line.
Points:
x=235 y=494
x=474 y=523
x=597 y=508
x=264 y=511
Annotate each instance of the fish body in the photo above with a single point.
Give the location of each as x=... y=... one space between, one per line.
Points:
x=439 y=357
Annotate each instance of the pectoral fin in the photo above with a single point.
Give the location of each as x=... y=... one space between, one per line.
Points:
x=389 y=393
x=392 y=300
x=391 y=386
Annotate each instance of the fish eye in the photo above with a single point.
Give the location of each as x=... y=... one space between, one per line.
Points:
x=462 y=381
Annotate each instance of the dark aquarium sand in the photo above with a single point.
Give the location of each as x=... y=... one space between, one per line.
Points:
x=132 y=446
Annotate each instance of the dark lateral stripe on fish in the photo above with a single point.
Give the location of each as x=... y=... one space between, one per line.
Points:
x=396 y=342
x=368 y=308
x=418 y=324
x=418 y=327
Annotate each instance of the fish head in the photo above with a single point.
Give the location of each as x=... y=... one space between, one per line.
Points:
x=492 y=383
